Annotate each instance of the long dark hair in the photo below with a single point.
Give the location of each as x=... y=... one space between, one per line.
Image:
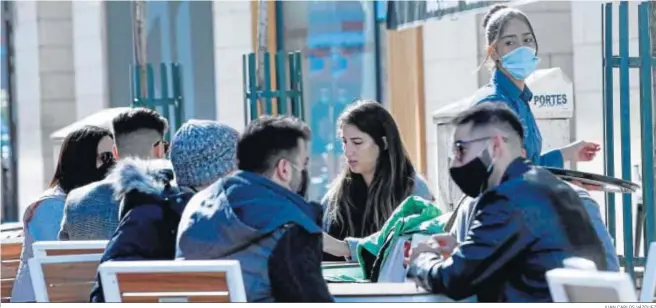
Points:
x=76 y=165
x=349 y=199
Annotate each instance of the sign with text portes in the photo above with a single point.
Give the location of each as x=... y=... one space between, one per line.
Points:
x=553 y=94
x=550 y=100
x=553 y=97
x=407 y=14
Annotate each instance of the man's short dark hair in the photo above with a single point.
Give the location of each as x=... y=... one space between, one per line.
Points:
x=136 y=119
x=137 y=130
x=268 y=139
x=491 y=114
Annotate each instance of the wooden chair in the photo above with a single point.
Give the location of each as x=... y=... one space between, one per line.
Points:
x=648 y=292
x=64 y=279
x=585 y=286
x=580 y=264
x=11 y=229
x=61 y=248
x=209 y=281
x=10 y=252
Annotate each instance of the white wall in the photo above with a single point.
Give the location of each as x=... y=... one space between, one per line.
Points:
x=28 y=103
x=232 y=39
x=45 y=89
x=91 y=92
x=450 y=73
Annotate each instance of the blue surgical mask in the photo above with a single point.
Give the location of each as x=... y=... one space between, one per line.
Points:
x=521 y=62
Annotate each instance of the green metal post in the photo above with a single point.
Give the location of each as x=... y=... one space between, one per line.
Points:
x=625 y=133
x=609 y=132
x=166 y=99
x=299 y=79
x=164 y=90
x=647 y=64
x=178 y=94
x=252 y=86
x=624 y=62
x=281 y=78
x=286 y=95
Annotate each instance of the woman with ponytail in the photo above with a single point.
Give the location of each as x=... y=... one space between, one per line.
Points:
x=513 y=47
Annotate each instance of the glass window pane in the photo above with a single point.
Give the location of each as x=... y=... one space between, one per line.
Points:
x=337 y=40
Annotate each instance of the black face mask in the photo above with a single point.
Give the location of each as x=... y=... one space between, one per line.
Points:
x=102 y=171
x=303 y=186
x=472 y=177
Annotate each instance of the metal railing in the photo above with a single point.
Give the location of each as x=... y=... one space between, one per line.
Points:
x=644 y=62
x=170 y=92
x=264 y=98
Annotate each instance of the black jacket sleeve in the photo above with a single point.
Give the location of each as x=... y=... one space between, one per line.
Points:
x=136 y=238
x=497 y=234
x=295 y=268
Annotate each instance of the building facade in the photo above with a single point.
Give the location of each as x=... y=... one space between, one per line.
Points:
x=72 y=59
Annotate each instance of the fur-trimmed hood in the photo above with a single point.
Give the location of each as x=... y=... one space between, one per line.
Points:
x=152 y=178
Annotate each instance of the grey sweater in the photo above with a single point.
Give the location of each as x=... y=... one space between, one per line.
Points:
x=90 y=213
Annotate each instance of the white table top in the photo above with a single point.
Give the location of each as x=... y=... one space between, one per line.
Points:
x=375 y=289
x=383 y=292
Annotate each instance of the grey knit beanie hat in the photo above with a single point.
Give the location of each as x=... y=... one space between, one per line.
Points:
x=202 y=151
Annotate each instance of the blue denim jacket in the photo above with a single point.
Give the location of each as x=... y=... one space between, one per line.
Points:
x=504 y=90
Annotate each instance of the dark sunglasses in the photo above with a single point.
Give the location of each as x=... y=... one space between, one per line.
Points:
x=106 y=157
x=163 y=142
x=460 y=146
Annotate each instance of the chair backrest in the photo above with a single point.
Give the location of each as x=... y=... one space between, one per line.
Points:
x=64 y=279
x=62 y=248
x=11 y=227
x=580 y=264
x=585 y=286
x=10 y=251
x=172 y=281
x=648 y=292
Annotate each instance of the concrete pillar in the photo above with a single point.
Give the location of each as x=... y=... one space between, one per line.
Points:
x=89 y=45
x=45 y=89
x=450 y=63
x=232 y=39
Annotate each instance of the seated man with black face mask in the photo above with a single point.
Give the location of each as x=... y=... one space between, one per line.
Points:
x=525 y=221
x=259 y=216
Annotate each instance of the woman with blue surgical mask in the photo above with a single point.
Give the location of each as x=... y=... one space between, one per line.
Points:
x=512 y=46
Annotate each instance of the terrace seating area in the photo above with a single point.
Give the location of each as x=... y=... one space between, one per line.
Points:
x=65 y=271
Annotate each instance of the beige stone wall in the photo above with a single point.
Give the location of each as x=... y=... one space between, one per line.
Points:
x=89 y=48
x=45 y=88
x=232 y=39
x=60 y=78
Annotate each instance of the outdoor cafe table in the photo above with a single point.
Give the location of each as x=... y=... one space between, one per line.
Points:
x=383 y=293
x=368 y=292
